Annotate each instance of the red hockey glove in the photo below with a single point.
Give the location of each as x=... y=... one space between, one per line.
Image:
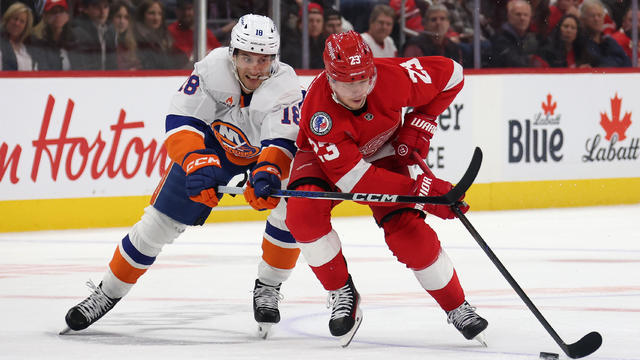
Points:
x=204 y=174
x=264 y=177
x=432 y=186
x=414 y=135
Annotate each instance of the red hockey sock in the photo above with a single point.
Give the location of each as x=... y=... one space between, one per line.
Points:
x=451 y=296
x=334 y=274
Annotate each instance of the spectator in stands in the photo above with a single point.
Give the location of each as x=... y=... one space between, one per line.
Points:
x=15 y=53
x=561 y=8
x=461 y=18
x=292 y=44
x=540 y=19
x=121 y=17
x=357 y=12
x=616 y=10
x=380 y=27
x=434 y=40
x=155 y=44
x=36 y=7
x=182 y=32
x=52 y=37
x=567 y=45
x=623 y=36
x=332 y=22
x=514 y=45
x=413 y=20
x=95 y=38
x=603 y=49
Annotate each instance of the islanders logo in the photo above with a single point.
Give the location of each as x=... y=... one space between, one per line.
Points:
x=233 y=140
x=320 y=123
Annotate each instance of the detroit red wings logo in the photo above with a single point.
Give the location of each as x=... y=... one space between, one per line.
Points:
x=615 y=125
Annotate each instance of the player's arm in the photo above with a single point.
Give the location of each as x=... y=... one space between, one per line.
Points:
x=278 y=132
x=433 y=83
x=344 y=165
x=185 y=129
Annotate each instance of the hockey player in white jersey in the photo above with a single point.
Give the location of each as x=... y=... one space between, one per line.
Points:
x=236 y=112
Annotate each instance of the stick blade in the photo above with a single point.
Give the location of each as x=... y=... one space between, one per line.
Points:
x=467 y=179
x=585 y=346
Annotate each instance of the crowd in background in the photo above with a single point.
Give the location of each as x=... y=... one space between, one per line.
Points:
x=158 y=34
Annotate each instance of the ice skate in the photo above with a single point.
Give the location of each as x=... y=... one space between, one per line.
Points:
x=89 y=310
x=346 y=315
x=470 y=324
x=265 y=306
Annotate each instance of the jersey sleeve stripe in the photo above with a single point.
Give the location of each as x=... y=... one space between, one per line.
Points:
x=456 y=76
x=351 y=178
x=286 y=144
x=173 y=122
x=183 y=128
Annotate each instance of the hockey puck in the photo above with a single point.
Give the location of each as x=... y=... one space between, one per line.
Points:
x=549 y=356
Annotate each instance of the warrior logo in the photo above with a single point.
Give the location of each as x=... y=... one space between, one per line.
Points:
x=233 y=140
x=320 y=123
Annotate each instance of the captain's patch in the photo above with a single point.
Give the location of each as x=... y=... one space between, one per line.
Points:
x=320 y=123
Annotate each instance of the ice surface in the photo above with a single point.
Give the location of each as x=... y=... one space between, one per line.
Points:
x=580 y=266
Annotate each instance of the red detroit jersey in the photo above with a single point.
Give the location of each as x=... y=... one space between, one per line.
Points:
x=346 y=141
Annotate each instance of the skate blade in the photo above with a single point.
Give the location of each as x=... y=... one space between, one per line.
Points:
x=263 y=329
x=345 y=339
x=482 y=339
x=64 y=331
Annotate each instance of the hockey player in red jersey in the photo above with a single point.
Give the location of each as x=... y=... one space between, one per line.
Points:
x=352 y=139
x=226 y=119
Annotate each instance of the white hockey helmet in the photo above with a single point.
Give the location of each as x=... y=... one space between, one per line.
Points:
x=256 y=34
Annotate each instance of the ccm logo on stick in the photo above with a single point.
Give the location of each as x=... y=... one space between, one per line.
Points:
x=374 y=197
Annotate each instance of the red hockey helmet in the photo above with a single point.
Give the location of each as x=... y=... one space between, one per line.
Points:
x=347 y=57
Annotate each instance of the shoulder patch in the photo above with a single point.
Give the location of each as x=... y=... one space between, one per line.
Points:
x=320 y=123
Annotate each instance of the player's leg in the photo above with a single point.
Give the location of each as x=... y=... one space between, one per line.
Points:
x=279 y=256
x=310 y=224
x=163 y=221
x=415 y=244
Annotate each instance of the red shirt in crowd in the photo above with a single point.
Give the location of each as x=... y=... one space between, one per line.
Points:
x=183 y=39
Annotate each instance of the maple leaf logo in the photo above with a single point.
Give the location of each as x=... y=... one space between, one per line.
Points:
x=549 y=108
x=615 y=124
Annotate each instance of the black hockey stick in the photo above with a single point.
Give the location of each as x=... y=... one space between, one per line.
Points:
x=581 y=348
x=449 y=198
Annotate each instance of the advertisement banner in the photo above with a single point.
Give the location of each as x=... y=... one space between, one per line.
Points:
x=565 y=139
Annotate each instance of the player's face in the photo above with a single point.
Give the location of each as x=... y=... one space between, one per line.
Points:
x=253 y=69
x=352 y=94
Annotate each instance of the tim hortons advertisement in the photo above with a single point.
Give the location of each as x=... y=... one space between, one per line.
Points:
x=584 y=129
x=83 y=137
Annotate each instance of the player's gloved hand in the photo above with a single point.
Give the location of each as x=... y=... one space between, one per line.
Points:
x=432 y=186
x=204 y=174
x=264 y=177
x=414 y=135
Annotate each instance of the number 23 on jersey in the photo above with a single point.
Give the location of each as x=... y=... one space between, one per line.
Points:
x=325 y=151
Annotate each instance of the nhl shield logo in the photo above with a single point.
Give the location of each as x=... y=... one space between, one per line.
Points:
x=320 y=123
x=368 y=116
